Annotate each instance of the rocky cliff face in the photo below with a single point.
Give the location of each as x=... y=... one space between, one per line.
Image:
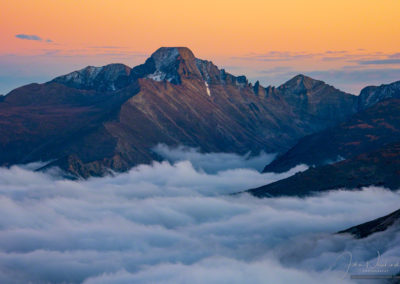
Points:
x=110 y=117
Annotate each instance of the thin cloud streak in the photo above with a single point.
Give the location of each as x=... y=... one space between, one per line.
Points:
x=28 y=37
x=32 y=37
x=380 y=62
x=360 y=57
x=276 y=56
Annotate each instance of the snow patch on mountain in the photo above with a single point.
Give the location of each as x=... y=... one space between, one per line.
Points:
x=86 y=74
x=157 y=76
x=208 y=89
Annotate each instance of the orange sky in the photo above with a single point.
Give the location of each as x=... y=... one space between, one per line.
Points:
x=232 y=33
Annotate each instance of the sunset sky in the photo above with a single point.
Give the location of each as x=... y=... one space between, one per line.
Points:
x=347 y=43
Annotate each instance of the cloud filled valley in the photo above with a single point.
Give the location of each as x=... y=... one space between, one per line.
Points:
x=182 y=142
x=176 y=223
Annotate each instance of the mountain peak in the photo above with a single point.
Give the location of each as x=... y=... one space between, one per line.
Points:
x=304 y=85
x=166 y=55
x=171 y=63
x=301 y=83
x=105 y=78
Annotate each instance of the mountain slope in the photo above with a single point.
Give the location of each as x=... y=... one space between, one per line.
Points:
x=314 y=97
x=101 y=118
x=363 y=132
x=37 y=122
x=378 y=225
x=380 y=167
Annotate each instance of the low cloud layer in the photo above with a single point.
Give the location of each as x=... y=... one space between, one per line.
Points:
x=356 y=56
x=213 y=162
x=175 y=223
x=380 y=62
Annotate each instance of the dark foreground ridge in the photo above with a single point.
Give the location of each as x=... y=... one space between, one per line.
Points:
x=380 y=168
x=374 y=226
x=365 y=131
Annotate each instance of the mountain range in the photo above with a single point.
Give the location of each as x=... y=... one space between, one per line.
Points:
x=107 y=118
x=100 y=120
